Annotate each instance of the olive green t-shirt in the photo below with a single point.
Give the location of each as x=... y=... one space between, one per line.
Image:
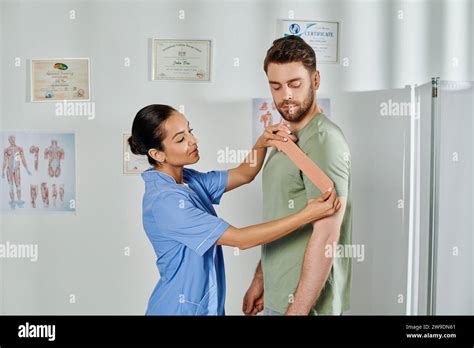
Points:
x=286 y=191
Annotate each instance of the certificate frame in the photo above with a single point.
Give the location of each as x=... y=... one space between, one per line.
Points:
x=58 y=60
x=132 y=157
x=207 y=64
x=282 y=23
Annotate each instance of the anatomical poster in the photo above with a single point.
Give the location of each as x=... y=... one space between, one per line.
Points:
x=38 y=172
x=265 y=113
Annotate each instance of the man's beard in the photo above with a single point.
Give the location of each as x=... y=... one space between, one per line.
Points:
x=300 y=109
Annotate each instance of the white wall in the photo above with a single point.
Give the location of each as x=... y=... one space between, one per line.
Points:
x=83 y=254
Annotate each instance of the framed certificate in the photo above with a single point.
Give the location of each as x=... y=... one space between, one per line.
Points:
x=60 y=79
x=323 y=37
x=132 y=164
x=185 y=60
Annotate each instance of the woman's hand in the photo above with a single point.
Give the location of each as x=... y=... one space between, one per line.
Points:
x=326 y=205
x=270 y=134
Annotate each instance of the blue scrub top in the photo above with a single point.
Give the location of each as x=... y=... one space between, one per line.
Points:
x=183 y=228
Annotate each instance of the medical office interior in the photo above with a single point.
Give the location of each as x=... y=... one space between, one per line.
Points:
x=398 y=82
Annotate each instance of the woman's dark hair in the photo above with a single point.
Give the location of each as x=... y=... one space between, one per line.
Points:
x=291 y=49
x=147 y=129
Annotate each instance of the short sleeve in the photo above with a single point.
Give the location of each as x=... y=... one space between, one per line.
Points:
x=330 y=152
x=181 y=220
x=214 y=183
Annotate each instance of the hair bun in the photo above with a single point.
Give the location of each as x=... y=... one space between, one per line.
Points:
x=137 y=147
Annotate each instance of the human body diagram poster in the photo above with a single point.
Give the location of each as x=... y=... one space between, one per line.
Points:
x=38 y=172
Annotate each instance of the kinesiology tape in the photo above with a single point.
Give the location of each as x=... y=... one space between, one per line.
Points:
x=303 y=162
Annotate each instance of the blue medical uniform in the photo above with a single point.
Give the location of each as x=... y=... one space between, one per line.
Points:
x=183 y=228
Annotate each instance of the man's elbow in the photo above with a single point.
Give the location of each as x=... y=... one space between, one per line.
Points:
x=333 y=237
x=330 y=234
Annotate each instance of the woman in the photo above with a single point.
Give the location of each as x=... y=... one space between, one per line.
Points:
x=180 y=221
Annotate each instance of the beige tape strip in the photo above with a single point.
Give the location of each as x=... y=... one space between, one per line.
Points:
x=303 y=162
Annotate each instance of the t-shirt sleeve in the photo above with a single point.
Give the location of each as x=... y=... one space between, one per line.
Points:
x=214 y=183
x=181 y=220
x=330 y=152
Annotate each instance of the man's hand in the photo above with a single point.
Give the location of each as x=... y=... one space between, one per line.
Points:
x=253 y=299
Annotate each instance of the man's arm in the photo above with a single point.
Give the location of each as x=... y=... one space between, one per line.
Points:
x=316 y=265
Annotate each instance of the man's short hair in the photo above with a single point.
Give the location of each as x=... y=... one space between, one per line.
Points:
x=291 y=49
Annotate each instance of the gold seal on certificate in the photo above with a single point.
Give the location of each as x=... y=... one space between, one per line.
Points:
x=188 y=60
x=60 y=79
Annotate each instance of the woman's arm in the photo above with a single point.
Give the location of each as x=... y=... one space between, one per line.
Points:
x=254 y=235
x=250 y=167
